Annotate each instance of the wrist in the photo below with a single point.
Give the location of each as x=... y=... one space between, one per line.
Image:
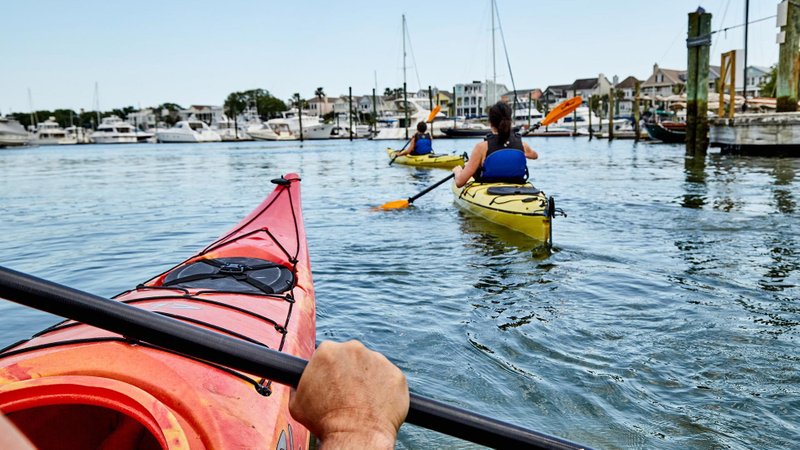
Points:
x=371 y=439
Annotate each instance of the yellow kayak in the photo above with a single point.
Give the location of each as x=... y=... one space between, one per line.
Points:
x=429 y=160
x=520 y=207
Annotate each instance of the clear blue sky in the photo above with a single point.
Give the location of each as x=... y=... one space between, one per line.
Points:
x=147 y=52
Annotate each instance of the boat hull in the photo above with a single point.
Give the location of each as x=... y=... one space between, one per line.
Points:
x=658 y=132
x=429 y=160
x=102 y=388
x=528 y=213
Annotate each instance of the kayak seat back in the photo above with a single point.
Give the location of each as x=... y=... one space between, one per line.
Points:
x=513 y=190
x=504 y=166
x=240 y=275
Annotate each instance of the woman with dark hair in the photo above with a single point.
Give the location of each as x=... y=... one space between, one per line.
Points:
x=421 y=142
x=501 y=157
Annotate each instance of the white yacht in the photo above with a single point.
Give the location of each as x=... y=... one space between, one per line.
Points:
x=80 y=134
x=226 y=128
x=12 y=133
x=113 y=130
x=418 y=112
x=271 y=131
x=50 y=132
x=313 y=128
x=191 y=130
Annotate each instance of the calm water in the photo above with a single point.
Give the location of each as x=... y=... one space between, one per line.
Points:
x=667 y=316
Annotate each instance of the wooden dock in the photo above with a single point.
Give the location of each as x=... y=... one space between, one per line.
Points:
x=772 y=134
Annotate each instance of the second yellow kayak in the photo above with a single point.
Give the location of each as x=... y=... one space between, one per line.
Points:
x=429 y=160
x=520 y=207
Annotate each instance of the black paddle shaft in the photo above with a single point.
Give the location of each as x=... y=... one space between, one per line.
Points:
x=180 y=337
x=430 y=188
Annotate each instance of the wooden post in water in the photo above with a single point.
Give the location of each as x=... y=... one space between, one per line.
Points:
x=788 y=56
x=574 y=116
x=636 y=93
x=374 y=112
x=697 y=43
x=591 y=132
x=611 y=114
x=454 y=106
x=300 y=115
x=350 y=109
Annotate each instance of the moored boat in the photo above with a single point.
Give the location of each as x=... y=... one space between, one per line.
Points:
x=669 y=132
x=12 y=133
x=430 y=160
x=76 y=386
x=520 y=207
x=112 y=130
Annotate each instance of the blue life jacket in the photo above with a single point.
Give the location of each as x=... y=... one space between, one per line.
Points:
x=504 y=163
x=423 y=144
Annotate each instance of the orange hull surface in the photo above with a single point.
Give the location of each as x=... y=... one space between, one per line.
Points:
x=74 y=386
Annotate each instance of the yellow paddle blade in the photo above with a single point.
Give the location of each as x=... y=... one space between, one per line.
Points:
x=397 y=204
x=433 y=113
x=562 y=110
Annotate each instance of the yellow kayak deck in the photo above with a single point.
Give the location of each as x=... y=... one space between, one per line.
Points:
x=520 y=207
x=429 y=160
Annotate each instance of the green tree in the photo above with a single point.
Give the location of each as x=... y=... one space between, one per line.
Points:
x=319 y=93
x=298 y=102
x=767 y=88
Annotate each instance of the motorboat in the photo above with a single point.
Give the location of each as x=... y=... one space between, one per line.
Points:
x=227 y=129
x=113 y=130
x=80 y=134
x=190 y=130
x=468 y=129
x=274 y=131
x=50 y=132
x=313 y=127
x=12 y=133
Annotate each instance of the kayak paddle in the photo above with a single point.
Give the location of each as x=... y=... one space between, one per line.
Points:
x=563 y=108
x=398 y=204
x=173 y=335
x=431 y=116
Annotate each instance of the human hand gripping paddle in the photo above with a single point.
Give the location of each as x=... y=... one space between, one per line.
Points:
x=138 y=324
x=431 y=116
x=558 y=112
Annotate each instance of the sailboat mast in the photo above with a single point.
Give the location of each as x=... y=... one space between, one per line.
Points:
x=494 y=62
x=405 y=86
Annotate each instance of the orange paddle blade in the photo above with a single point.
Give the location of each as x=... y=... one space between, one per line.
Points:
x=433 y=113
x=397 y=204
x=562 y=110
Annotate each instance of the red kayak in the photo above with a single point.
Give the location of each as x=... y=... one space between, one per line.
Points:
x=73 y=386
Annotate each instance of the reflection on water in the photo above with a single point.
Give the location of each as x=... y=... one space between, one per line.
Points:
x=666 y=315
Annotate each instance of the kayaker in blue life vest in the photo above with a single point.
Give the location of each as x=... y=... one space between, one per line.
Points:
x=421 y=142
x=501 y=157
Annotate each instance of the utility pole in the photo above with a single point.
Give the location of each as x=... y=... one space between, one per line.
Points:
x=636 y=93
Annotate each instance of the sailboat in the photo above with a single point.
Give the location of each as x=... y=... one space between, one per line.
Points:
x=414 y=110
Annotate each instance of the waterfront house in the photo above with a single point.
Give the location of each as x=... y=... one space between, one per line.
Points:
x=472 y=99
x=556 y=94
x=586 y=87
x=628 y=88
x=144 y=119
x=756 y=76
x=320 y=106
x=205 y=113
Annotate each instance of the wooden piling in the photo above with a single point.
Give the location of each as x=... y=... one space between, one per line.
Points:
x=788 y=56
x=697 y=43
x=574 y=116
x=591 y=132
x=611 y=114
x=636 y=92
x=350 y=109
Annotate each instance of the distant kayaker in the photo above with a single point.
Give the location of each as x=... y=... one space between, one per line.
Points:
x=351 y=397
x=421 y=142
x=501 y=157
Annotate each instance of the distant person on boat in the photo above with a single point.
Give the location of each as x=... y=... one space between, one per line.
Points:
x=351 y=397
x=501 y=157
x=421 y=143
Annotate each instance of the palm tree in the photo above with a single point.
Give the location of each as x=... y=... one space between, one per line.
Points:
x=319 y=93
